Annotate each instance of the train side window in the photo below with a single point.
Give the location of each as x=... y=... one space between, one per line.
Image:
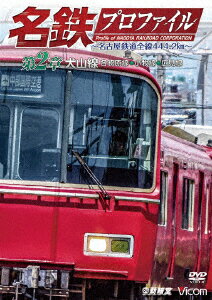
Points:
x=4 y=139
x=188 y=204
x=163 y=198
x=207 y=208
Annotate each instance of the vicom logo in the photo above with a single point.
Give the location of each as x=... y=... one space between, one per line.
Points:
x=196 y=277
x=196 y=292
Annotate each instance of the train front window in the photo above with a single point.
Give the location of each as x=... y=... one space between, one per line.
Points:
x=109 y=119
x=113 y=121
x=31 y=113
x=39 y=156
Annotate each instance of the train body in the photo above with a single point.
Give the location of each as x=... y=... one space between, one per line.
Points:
x=82 y=173
x=184 y=227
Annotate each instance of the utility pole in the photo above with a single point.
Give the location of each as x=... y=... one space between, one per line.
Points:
x=161 y=72
x=204 y=61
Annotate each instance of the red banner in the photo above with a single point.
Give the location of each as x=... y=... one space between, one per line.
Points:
x=147 y=24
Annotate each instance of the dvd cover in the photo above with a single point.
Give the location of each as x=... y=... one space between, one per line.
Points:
x=105 y=150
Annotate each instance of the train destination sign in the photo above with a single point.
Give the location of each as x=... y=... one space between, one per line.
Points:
x=18 y=82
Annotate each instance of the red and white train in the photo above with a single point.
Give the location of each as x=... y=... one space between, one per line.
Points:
x=92 y=204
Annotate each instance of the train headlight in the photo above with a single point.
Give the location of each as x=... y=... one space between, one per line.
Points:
x=108 y=245
x=97 y=244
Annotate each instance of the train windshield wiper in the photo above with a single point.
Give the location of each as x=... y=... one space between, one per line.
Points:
x=105 y=195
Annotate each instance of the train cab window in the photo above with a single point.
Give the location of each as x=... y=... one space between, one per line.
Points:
x=110 y=119
x=188 y=204
x=39 y=155
x=4 y=139
x=163 y=198
x=113 y=127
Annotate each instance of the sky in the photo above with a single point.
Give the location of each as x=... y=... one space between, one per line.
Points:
x=115 y=3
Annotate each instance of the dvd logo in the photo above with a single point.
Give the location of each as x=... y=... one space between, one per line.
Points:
x=196 y=277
